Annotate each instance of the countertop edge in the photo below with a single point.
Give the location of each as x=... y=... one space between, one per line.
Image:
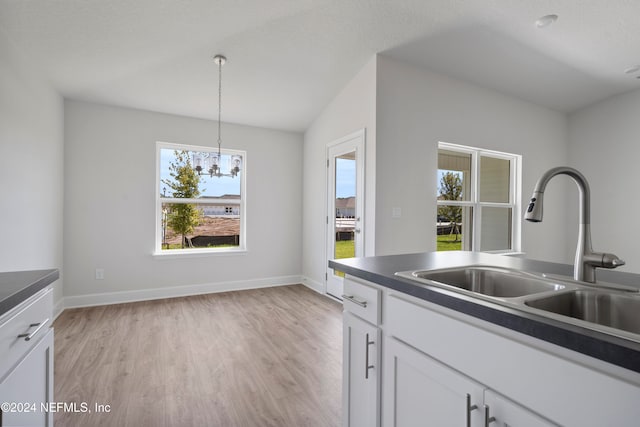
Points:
x=30 y=288
x=608 y=348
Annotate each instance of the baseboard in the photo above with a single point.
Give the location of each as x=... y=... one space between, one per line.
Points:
x=171 y=292
x=314 y=285
x=58 y=308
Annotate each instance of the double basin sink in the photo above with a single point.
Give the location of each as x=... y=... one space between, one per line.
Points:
x=613 y=311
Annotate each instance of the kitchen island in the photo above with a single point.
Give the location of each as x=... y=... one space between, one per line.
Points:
x=26 y=347
x=17 y=286
x=432 y=352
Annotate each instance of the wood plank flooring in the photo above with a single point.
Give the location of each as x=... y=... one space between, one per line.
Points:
x=264 y=357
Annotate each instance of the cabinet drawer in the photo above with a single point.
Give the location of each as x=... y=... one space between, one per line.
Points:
x=362 y=300
x=31 y=319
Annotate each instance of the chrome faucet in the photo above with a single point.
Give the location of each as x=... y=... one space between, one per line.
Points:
x=586 y=262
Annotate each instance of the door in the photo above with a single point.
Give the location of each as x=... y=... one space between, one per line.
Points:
x=361 y=372
x=420 y=391
x=345 y=204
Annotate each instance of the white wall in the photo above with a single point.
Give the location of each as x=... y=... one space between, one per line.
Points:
x=110 y=188
x=31 y=168
x=604 y=144
x=352 y=109
x=418 y=108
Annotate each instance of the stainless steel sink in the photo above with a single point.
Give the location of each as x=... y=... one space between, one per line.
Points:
x=606 y=308
x=489 y=281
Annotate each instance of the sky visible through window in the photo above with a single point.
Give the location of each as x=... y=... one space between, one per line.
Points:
x=209 y=186
x=345 y=178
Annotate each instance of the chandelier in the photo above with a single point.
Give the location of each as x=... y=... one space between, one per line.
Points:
x=211 y=163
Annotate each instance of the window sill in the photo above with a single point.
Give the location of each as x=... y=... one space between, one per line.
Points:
x=197 y=253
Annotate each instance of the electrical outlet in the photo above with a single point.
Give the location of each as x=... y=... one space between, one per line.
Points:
x=99 y=273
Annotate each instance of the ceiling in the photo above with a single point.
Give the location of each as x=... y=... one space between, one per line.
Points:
x=287 y=59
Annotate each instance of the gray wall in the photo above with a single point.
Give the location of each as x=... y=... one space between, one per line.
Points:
x=110 y=189
x=31 y=167
x=354 y=108
x=604 y=144
x=418 y=108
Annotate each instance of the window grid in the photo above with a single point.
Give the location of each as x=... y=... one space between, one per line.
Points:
x=234 y=206
x=475 y=225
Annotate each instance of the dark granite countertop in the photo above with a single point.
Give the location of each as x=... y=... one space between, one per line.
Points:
x=610 y=348
x=18 y=286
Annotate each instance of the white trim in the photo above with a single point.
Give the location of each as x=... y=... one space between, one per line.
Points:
x=58 y=308
x=197 y=253
x=202 y=201
x=360 y=133
x=515 y=191
x=188 y=147
x=314 y=285
x=242 y=201
x=353 y=142
x=91 y=300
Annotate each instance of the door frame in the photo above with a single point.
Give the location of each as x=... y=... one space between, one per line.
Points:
x=355 y=141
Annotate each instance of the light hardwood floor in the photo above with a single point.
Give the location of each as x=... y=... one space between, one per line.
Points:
x=265 y=357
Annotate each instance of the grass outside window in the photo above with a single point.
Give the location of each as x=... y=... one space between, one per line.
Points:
x=446 y=242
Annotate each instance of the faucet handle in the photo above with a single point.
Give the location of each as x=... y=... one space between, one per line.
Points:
x=611 y=261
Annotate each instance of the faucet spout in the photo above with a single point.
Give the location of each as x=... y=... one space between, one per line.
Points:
x=534 y=210
x=586 y=260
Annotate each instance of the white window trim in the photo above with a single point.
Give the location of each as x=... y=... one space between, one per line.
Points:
x=190 y=253
x=515 y=201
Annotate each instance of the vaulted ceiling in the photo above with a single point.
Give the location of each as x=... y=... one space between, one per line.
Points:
x=288 y=58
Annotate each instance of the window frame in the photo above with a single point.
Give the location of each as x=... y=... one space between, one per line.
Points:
x=241 y=202
x=515 y=191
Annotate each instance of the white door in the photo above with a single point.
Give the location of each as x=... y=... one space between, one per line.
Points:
x=420 y=391
x=345 y=204
x=361 y=372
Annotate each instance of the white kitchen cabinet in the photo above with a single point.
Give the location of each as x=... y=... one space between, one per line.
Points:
x=525 y=385
x=419 y=391
x=28 y=386
x=433 y=357
x=361 y=368
x=26 y=362
x=361 y=355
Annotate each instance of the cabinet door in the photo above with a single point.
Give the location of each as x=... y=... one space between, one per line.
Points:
x=361 y=354
x=509 y=414
x=28 y=385
x=420 y=391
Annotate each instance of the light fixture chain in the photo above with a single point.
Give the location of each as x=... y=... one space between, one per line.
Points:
x=216 y=169
x=219 y=104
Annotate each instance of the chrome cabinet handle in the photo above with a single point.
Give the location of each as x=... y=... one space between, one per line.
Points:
x=470 y=408
x=366 y=358
x=355 y=301
x=487 y=418
x=27 y=336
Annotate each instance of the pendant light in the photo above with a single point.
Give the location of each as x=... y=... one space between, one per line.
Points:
x=214 y=160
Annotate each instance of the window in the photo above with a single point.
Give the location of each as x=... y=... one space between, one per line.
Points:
x=197 y=210
x=478 y=200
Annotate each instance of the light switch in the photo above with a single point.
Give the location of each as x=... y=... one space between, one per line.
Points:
x=396 y=212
